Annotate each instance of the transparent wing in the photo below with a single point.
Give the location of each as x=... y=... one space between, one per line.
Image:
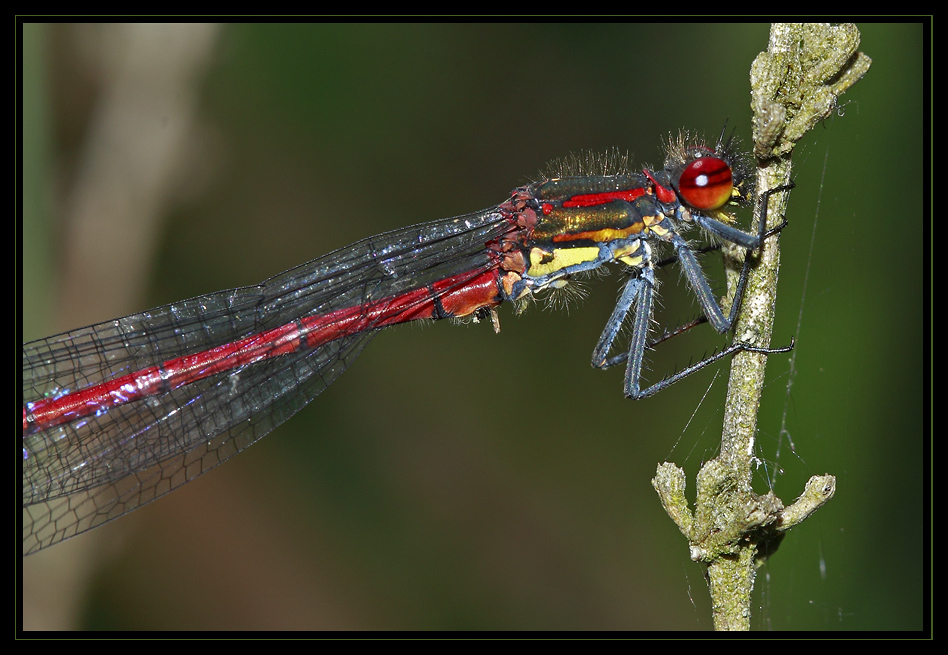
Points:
x=81 y=474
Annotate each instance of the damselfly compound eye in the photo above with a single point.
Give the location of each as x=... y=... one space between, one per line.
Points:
x=706 y=183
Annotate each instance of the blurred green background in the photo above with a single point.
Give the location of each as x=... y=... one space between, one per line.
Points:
x=454 y=478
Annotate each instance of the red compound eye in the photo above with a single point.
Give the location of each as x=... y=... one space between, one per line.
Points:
x=706 y=183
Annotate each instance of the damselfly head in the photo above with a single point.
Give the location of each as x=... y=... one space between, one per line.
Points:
x=709 y=178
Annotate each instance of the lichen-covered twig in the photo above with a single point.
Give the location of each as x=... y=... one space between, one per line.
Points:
x=796 y=83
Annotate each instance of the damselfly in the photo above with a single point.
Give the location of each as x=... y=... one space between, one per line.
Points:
x=119 y=413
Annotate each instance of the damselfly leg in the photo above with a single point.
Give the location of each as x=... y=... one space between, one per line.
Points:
x=639 y=291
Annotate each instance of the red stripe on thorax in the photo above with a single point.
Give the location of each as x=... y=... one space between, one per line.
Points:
x=592 y=199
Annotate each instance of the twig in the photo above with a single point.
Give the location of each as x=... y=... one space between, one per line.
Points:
x=795 y=84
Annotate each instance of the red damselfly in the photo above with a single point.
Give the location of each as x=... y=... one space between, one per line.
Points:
x=119 y=413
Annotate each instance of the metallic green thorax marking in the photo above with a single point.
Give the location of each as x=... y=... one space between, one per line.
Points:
x=573 y=210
